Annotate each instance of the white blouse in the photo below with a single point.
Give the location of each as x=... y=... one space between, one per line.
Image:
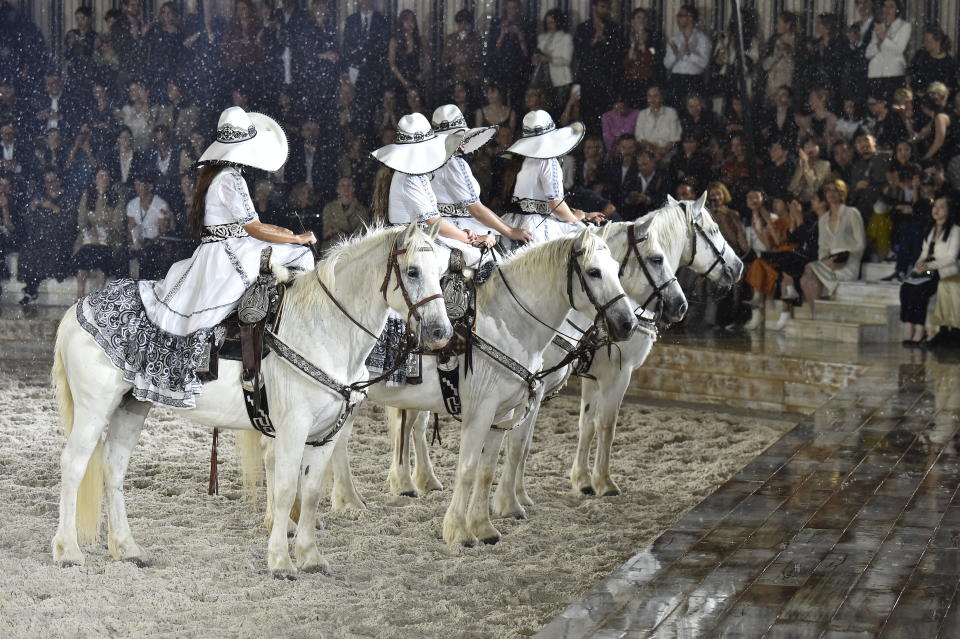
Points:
x=411 y=199
x=539 y=180
x=887 y=59
x=454 y=184
x=559 y=46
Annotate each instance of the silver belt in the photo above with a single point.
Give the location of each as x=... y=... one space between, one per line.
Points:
x=221 y=232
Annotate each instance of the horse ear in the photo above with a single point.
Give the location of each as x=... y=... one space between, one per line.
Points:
x=434 y=230
x=642 y=225
x=701 y=202
x=604 y=232
x=581 y=236
x=407 y=235
x=671 y=201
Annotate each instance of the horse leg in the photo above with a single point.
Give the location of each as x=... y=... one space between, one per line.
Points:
x=608 y=409
x=345 y=495
x=521 y=489
x=424 y=476
x=288 y=452
x=472 y=434
x=269 y=464
x=478 y=518
x=312 y=471
x=122 y=437
x=401 y=483
x=590 y=397
x=505 y=502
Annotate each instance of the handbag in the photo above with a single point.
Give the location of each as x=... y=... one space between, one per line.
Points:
x=541 y=76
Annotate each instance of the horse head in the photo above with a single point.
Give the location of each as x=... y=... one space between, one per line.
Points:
x=417 y=294
x=708 y=253
x=600 y=287
x=646 y=273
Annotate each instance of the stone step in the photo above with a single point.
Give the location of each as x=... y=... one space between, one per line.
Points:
x=821 y=329
x=868 y=292
x=854 y=313
x=50 y=293
x=874 y=271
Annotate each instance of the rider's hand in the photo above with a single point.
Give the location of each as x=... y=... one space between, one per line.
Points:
x=595 y=217
x=487 y=240
x=306 y=238
x=520 y=235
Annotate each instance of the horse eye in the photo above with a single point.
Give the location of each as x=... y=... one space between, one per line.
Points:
x=594 y=272
x=413 y=272
x=658 y=259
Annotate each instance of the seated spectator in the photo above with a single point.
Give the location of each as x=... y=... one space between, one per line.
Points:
x=842 y=158
x=98 y=115
x=357 y=164
x=730 y=221
x=148 y=217
x=265 y=201
x=52 y=108
x=779 y=172
x=902 y=155
x=821 y=123
x=571 y=111
x=698 y=121
x=811 y=173
x=933 y=62
x=123 y=161
x=138 y=116
x=162 y=159
x=49 y=225
x=11 y=108
x=734 y=116
x=840 y=246
x=534 y=99
x=780 y=119
x=940 y=132
x=617 y=121
x=302 y=211
x=305 y=161
x=886 y=124
x=179 y=115
x=934 y=273
x=849 y=121
x=191 y=151
x=620 y=174
x=13 y=154
x=495 y=112
x=81 y=163
x=49 y=154
x=868 y=174
x=658 y=126
x=462 y=96
x=343 y=217
x=649 y=191
x=689 y=164
x=101 y=241
x=911 y=212
x=388 y=111
x=735 y=170
x=888 y=66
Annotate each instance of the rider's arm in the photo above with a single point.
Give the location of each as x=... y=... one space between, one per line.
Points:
x=563 y=212
x=482 y=214
x=448 y=229
x=276 y=234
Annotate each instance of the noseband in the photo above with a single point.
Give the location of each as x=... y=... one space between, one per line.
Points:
x=718 y=253
x=393 y=267
x=633 y=249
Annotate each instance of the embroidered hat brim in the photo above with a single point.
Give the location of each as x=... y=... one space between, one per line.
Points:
x=474 y=139
x=420 y=156
x=550 y=144
x=264 y=148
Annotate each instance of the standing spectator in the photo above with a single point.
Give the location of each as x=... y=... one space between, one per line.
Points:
x=344 y=216
x=941 y=130
x=12 y=153
x=243 y=50
x=555 y=50
x=934 y=273
x=99 y=246
x=829 y=55
x=658 y=125
x=811 y=172
x=887 y=67
x=148 y=217
x=201 y=73
x=642 y=59
x=12 y=109
x=163 y=45
x=365 y=38
x=405 y=55
x=779 y=57
x=316 y=64
x=933 y=62
x=863 y=27
x=286 y=22
x=510 y=44
x=48 y=232
x=725 y=63
x=687 y=55
x=617 y=121
x=841 y=243
x=138 y=116
x=388 y=111
x=8 y=228
x=599 y=52
x=495 y=112
x=78 y=46
x=178 y=114
x=462 y=59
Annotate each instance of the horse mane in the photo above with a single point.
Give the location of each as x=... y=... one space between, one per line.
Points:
x=537 y=262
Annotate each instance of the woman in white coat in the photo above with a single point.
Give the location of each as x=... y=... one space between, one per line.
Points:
x=888 y=65
x=555 y=50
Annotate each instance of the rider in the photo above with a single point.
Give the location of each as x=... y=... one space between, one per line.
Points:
x=538 y=199
x=457 y=190
x=156 y=331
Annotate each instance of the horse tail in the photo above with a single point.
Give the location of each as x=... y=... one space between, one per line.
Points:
x=90 y=493
x=251 y=461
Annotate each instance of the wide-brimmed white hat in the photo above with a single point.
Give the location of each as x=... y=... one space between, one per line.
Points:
x=418 y=149
x=251 y=139
x=449 y=119
x=540 y=138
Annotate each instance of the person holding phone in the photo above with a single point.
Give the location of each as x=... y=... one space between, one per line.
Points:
x=841 y=241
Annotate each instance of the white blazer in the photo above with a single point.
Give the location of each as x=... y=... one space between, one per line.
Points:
x=559 y=46
x=887 y=59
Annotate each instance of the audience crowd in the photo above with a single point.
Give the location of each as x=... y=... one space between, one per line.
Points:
x=842 y=150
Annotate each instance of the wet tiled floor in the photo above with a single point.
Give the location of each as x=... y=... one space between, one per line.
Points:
x=847 y=527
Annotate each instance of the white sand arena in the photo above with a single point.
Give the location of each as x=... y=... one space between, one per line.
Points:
x=394 y=576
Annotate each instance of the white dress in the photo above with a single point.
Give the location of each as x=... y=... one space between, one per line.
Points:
x=456 y=188
x=849 y=237
x=539 y=182
x=200 y=291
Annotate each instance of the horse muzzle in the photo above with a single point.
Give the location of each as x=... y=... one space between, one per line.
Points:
x=620 y=323
x=435 y=334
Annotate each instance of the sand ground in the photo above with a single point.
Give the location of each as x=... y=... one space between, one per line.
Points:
x=394 y=577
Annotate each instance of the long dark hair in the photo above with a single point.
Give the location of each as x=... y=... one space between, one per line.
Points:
x=198 y=206
x=401 y=34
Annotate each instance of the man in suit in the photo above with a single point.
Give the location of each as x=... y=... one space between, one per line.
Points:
x=312 y=161
x=286 y=22
x=162 y=161
x=365 y=38
x=620 y=176
x=646 y=189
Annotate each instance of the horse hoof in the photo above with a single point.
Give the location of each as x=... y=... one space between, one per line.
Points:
x=613 y=492
x=520 y=516
x=68 y=563
x=412 y=494
x=139 y=562
x=491 y=541
x=284 y=574
x=588 y=490
x=470 y=543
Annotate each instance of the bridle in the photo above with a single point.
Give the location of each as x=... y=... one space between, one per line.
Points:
x=718 y=252
x=633 y=249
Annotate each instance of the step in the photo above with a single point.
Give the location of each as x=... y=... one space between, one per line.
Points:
x=858 y=313
x=873 y=271
x=847 y=332
x=50 y=293
x=868 y=292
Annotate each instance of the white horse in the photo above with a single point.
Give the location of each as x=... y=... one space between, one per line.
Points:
x=95 y=400
x=519 y=311
x=689 y=237
x=647 y=276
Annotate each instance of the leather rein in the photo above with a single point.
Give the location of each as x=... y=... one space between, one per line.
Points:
x=718 y=253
